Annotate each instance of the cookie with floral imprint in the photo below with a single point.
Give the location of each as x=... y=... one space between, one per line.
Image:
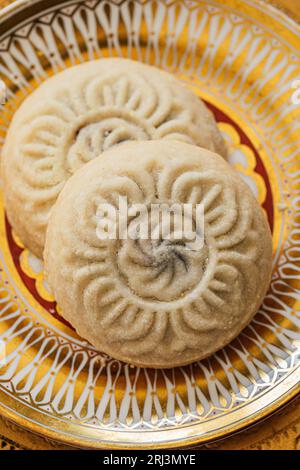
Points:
x=157 y=298
x=76 y=115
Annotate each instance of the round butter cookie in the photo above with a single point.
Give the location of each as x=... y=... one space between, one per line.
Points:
x=157 y=301
x=76 y=115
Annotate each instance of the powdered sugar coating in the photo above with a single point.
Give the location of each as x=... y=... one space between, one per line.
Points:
x=79 y=113
x=147 y=302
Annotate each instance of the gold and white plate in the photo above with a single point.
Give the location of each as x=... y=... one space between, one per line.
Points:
x=242 y=58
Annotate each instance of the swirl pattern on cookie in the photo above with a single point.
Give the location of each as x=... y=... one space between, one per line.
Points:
x=157 y=302
x=75 y=116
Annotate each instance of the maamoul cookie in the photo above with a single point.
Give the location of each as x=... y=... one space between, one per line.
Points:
x=158 y=303
x=75 y=115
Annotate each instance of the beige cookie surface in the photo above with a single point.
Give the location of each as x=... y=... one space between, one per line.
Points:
x=75 y=115
x=156 y=302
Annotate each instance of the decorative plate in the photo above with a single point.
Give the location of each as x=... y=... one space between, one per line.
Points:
x=242 y=58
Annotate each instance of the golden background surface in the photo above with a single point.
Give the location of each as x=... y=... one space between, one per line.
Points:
x=280 y=431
